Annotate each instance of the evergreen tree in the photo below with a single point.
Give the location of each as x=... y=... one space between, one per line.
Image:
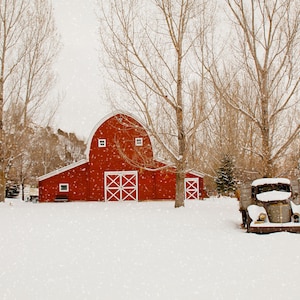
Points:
x=225 y=179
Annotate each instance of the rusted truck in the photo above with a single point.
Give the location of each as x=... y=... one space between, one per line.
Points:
x=270 y=206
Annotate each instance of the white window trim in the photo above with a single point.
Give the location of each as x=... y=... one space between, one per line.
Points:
x=101 y=143
x=61 y=189
x=139 y=141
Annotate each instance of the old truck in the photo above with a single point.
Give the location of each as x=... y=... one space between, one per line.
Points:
x=271 y=206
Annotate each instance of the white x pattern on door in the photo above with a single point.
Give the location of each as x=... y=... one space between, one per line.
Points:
x=121 y=186
x=191 y=188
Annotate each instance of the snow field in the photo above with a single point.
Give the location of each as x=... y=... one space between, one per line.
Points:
x=148 y=250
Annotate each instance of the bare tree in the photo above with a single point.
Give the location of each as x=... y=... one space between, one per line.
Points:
x=149 y=47
x=262 y=80
x=28 y=46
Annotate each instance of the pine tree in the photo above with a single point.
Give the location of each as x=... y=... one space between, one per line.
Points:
x=225 y=179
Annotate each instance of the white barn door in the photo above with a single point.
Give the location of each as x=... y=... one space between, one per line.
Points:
x=191 y=188
x=121 y=186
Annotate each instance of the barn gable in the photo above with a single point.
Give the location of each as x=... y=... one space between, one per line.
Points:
x=119 y=159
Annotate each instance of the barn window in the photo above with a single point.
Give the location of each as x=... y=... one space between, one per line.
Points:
x=63 y=187
x=101 y=143
x=139 y=141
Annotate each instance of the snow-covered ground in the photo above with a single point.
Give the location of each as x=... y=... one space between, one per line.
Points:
x=141 y=251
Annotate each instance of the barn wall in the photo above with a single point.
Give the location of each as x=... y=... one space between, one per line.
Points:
x=77 y=178
x=120 y=154
x=165 y=182
x=146 y=185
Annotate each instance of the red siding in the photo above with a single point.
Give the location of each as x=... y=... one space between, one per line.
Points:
x=119 y=132
x=86 y=181
x=165 y=182
x=77 y=178
x=146 y=181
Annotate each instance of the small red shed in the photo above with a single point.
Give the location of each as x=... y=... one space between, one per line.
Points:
x=119 y=167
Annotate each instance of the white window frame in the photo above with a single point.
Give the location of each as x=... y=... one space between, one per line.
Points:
x=139 y=141
x=101 y=143
x=63 y=187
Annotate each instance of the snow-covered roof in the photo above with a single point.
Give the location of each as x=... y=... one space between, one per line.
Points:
x=263 y=181
x=273 y=196
x=190 y=171
x=197 y=173
x=63 y=169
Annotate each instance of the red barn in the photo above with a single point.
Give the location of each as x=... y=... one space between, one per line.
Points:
x=119 y=167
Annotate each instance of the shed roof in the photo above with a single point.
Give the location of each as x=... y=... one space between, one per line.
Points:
x=63 y=169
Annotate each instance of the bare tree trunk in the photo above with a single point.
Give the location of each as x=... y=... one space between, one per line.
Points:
x=182 y=155
x=265 y=128
x=2 y=167
x=180 y=188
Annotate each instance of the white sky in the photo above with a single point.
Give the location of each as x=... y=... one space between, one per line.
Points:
x=80 y=81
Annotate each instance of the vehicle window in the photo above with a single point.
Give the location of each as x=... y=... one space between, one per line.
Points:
x=273 y=187
x=284 y=188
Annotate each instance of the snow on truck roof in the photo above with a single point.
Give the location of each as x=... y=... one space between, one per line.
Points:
x=263 y=181
x=273 y=196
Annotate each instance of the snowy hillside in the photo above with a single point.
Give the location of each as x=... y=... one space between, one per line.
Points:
x=141 y=251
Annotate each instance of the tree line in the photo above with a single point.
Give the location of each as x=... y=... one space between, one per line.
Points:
x=207 y=78
x=39 y=151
